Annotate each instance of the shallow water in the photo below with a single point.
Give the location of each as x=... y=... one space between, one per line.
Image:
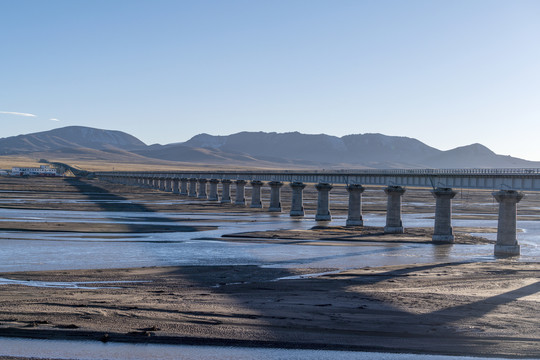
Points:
x=86 y=350
x=23 y=251
x=65 y=285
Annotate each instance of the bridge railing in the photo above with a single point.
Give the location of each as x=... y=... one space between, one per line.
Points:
x=399 y=172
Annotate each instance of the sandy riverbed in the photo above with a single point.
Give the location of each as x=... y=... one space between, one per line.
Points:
x=487 y=308
x=460 y=309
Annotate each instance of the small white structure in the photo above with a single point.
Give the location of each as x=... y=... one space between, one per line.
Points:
x=42 y=170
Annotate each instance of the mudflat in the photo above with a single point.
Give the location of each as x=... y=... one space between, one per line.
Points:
x=467 y=308
x=476 y=309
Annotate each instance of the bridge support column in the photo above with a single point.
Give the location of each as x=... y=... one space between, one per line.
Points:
x=163 y=184
x=354 y=217
x=297 y=202
x=394 y=225
x=213 y=194
x=202 y=189
x=240 y=192
x=192 y=187
x=184 y=186
x=275 y=196
x=169 y=184
x=323 y=203
x=256 y=194
x=442 y=231
x=226 y=191
x=175 y=183
x=506 y=229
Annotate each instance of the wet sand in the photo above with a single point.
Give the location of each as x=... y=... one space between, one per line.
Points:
x=474 y=309
x=81 y=227
x=339 y=234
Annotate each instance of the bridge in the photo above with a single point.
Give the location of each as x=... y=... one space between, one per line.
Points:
x=507 y=186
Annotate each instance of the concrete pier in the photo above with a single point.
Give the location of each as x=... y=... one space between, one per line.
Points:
x=354 y=217
x=213 y=194
x=193 y=187
x=163 y=184
x=184 y=186
x=297 y=202
x=256 y=194
x=394 y=225
x=145 y=182
x=175 y=183
x=323 y=205
x=169 y=184
x=226 y=191
x=442 y=231
x=275 y=196
x=240 y=192
x=202 y=189
x=506 y=229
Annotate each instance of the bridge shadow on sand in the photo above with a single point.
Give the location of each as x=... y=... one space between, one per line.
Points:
x=109 y=202
x=396 y=310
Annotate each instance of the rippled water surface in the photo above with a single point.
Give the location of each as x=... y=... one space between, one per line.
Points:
x=63 y=250
x=22 y=251
x=92 y=351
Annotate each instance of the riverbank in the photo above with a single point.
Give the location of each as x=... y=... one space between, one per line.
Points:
x=343 y=235
x=473 y=309
x=446 y=307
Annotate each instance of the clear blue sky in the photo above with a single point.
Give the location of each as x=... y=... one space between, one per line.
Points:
x=449 y=73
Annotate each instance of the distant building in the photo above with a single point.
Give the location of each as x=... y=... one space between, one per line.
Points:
x=42 y=170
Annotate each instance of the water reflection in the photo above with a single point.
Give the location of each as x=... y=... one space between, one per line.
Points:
x=86 y=350
x=54 y=251
x=441 y=252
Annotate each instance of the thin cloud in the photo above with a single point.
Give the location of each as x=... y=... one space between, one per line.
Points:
x=53 y=119
x=17 y=113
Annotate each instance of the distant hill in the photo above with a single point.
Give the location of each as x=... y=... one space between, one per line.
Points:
x=360 y=150
x=475 y=156
x=68 y=139
x=256 y=149
x=366 y=149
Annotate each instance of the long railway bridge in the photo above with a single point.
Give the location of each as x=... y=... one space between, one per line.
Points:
x=507 y=185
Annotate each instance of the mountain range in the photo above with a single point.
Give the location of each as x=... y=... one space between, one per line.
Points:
x=257 y=149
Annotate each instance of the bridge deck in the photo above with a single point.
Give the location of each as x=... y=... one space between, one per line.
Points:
x=516 y=179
